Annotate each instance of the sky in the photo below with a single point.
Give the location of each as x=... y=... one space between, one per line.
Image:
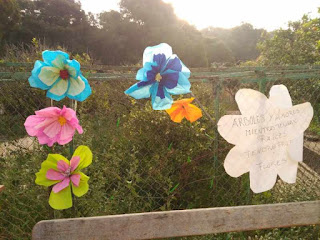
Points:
x=267 y=14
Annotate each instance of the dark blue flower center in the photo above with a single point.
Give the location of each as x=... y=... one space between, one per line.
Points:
x=165 y=72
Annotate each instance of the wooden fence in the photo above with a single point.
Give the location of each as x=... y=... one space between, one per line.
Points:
x=155 y=225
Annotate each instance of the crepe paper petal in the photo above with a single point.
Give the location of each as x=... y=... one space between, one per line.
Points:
x=75 y=179
x=53 y=125
x=162 y=48
x=268 y=137
x=50 y=163
x=54 y=175
x=61 y=200
x=83 y=186
x=58 y=172
x=85 y=155
x=61 y=185
x=60 y=76
x=163 y=74
x=74 y=163
x=62 y=166
x=184 y=109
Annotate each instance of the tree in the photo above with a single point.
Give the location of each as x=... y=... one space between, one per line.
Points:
x=241 y=40
x=299 y=44
x=9 y=17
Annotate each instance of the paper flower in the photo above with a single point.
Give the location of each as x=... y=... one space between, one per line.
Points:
x=268 y=137
x=162 y=74
x=52 y=124
x=63 y=175
x=184 y=109
x=60 y=76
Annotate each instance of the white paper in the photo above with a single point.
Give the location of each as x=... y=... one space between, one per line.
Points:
x=268 y=136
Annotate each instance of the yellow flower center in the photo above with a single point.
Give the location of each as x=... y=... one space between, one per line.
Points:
x=158 y=77
x=62 y=120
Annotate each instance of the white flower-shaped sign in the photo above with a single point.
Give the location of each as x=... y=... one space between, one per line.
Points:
x=268 y=136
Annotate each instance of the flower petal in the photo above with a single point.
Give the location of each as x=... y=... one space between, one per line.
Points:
x=288 y=172
x=139 y=92
x=261 y=181
x=182 y=87
x=142 y=72
x=50 y=163
x=31 y=123
x=174 y=63
x=61 y=185
x=62 y=166
x=75 y=179
x=159 y=103
x=83 y=186
x=184 y=101
x=54 y=175
x=85 y=155
x=67 y=131
x=80 y=89
x=58 y=90
x=177 y=113
x=49 y=75
x=193 y=113
x=236 y=162
x=76 y=86
x=170 y=80
x=252 y=102
x=74 y=162
x=49 y=112
x=264 y=169
x=162 y=48
x=61 y=200
x=73 y=67
x=280 y=96
x=53 y=129
x=55 y=58
x=34 y=80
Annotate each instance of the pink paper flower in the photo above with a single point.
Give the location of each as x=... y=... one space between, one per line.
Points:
x=65 y=176
x=52 y=124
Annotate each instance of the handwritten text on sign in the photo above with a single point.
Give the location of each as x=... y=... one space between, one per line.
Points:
x=264 y=136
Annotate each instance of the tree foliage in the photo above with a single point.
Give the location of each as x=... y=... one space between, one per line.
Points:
x=299 y=44
x=119 y=37
x=240 y=41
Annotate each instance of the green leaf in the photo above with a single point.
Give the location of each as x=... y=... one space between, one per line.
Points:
x=174 y=188
x=211 y=183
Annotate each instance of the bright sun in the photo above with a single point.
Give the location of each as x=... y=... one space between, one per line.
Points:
x=271 y=14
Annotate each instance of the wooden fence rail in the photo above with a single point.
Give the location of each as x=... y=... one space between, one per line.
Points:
x=178 y=223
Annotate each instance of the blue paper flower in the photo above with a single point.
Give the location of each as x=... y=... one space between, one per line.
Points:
x=60 y=76
x=163 y=74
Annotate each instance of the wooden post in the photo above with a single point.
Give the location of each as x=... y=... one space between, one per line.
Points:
x=167 y=224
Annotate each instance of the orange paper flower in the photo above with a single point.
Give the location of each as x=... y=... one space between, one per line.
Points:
x=184 y=109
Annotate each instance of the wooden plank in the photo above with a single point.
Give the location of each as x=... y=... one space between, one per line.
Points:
x=180 y=223
x=1 y=188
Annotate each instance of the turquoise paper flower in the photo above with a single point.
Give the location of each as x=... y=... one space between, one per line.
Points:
x=60 y=76
x=163 y=74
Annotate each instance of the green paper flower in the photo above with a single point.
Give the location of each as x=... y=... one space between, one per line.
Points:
x=64 y=175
